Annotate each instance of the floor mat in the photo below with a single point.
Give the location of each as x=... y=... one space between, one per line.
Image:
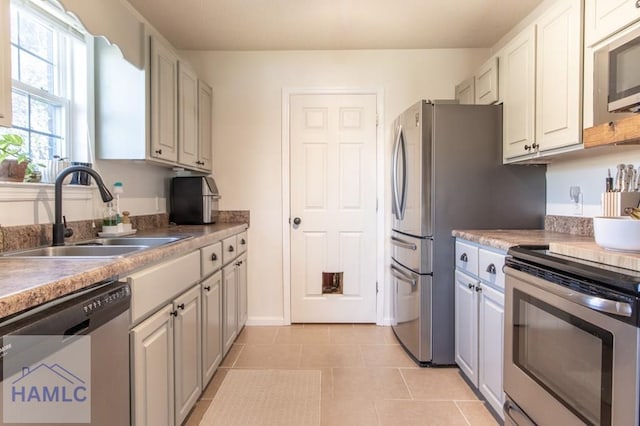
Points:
x=266 y=398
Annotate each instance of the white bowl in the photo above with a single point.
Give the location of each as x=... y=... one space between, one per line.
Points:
x=617 y=233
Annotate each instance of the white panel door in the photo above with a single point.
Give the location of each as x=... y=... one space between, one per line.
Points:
x=602 y=18
x=465 y=91
x=466 y=329
x=187 y=351
x=152 y=370
x=187 y=116
x=333 y=197
x=164 y=102
x=519 y=94
x=558 y=83
x=491 y=344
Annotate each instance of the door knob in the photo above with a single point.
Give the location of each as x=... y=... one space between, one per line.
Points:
x=297 y=221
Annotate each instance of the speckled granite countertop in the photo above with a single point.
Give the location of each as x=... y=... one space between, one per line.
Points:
x=25 y=283
x=503 y=239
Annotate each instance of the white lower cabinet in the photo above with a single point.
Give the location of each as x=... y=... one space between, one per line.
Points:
x=185 y=315
x=466 y=338
x=211 y=326
x=479 y=322
x=229 y=306
x=490 y=346
x=187 y=341
x=242 y=291
x=152 y=370
x=166 y=362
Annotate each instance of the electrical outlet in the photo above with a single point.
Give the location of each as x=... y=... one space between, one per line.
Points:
x=575 y=194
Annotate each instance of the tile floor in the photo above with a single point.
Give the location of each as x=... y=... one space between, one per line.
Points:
x=367 y=378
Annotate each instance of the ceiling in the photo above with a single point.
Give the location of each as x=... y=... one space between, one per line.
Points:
x=332 y=24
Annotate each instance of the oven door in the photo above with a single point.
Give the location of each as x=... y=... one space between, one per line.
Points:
x=565 y=363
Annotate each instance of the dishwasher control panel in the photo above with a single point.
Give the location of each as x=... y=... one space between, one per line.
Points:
x=107 y=299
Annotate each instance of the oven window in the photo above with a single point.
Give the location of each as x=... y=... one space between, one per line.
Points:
x=569 y=357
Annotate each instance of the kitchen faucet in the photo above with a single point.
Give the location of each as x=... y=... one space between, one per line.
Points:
x=60 y=230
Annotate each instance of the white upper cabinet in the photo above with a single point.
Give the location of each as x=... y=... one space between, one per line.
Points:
x=5 y=65
x=541 y=77
x=164 y=102
x=486 y=82
x=465 y=92
x=518 y=78
x=187 y=116
x=205 y=129
x=558 y=82
x=602 y=18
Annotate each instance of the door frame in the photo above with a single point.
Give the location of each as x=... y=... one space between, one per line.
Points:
x=287 y=92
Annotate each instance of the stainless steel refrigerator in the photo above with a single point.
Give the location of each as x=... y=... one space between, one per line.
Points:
x=447 y=173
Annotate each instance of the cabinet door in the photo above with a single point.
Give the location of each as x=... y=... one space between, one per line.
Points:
x=519 y=94
x=242 y=291
x=152 y=370
x=164 y=102
x=491 y=345
x=602 y=18
x=486 y=83
x=229 y=306
x=466 y=325
x=211 y=326
x=205 y=126
x=558 y=76
x=5 y=65
x=187 y=116
x=465 y=92
x=187 y=335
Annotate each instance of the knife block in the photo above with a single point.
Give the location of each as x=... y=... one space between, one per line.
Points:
x=614 y=203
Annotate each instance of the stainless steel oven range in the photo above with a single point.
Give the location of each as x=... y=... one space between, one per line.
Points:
x=571 y=341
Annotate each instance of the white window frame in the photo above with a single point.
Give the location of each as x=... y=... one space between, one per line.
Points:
x=61 y=22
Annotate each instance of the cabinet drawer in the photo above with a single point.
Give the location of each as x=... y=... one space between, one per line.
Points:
x=490 y=268
x=156 y=285
x=467 y=257
x=242 y=241
x=211 y=258
x=229 y=249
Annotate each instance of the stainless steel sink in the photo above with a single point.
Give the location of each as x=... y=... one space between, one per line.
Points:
x=94 y=251
x=127 y=241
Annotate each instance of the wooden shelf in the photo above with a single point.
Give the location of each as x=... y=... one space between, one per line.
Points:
x=623 y=131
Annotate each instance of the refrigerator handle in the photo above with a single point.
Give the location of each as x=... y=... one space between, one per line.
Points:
x=394 y=174
x=404 y=244
x=403 y=198
x=402 y=276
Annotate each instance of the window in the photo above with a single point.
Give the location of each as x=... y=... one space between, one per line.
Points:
x=49 y=72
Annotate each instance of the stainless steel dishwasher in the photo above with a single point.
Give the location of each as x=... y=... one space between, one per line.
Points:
x=94 y=325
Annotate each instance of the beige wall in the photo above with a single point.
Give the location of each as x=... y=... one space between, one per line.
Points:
x=247 y=133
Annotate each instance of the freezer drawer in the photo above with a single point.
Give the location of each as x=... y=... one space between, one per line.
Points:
x=411 y=319
x=414 y=253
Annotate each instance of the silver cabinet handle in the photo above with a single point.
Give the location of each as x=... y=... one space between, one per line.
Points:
x=478 y=288
x=402 y=276
x=214 y=257
x=402 y=243
x=463 y=256
x=491 y=269
x=471 y=286
x=599 y=304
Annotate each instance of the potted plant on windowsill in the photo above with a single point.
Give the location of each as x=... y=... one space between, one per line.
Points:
x=15 y=163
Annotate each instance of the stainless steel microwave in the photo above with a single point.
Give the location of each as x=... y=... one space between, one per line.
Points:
x=617 y=80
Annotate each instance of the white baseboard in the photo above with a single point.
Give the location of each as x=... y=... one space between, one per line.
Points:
x=263 y=321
